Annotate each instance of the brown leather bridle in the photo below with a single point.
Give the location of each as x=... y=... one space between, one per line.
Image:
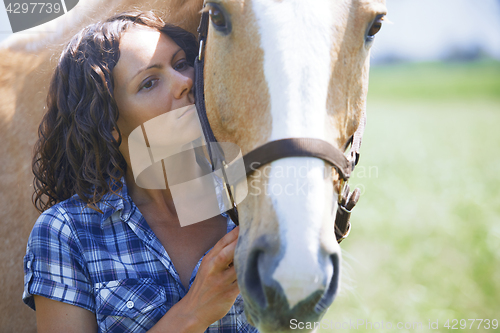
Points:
x=274 y=150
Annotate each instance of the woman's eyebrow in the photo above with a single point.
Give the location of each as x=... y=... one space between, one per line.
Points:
x=179 y=50
x=159 y=66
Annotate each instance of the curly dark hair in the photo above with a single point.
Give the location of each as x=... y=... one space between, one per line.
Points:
x=76 y=152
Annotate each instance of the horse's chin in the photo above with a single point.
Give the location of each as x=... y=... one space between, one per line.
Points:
x=266 y=305
x=278 y=318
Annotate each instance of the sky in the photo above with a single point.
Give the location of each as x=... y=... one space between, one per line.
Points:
x=421 y=30
x=427 y=30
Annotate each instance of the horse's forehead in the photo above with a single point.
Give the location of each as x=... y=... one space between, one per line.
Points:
x=337 y=4
x=290 y=29
x=319 y=35
x=308 y=69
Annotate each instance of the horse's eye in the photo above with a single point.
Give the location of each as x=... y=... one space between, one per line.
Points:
x=375 y=27
x=219 y=18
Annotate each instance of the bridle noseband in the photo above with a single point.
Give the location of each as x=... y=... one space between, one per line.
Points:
x=274 y=150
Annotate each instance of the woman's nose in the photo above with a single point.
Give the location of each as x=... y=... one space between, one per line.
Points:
x=183 y=85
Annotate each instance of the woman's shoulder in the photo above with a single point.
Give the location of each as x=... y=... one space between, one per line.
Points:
x=75 y=212
x=58 y=220
x=63 y=211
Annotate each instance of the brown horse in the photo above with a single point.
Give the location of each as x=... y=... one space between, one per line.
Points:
x=273 y=69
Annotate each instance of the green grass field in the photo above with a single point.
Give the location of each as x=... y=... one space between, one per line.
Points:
x=425 y=239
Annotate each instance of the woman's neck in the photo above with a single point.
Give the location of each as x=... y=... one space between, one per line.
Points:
x=161 y=199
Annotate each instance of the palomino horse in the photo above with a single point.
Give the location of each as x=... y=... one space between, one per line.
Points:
x=288 y=69
x=273 y=69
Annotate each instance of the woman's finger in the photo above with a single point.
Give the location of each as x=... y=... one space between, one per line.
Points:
x=226 y=240
x=225 y=257
x=234 y=288
x=229 y=275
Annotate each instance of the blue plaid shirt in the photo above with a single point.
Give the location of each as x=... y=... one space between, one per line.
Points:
x=111 y=264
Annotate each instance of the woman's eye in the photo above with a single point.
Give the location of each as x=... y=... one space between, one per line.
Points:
x=149 y=84
x=183 y=64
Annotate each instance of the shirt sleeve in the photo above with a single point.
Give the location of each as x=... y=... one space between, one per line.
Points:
x=53 y=265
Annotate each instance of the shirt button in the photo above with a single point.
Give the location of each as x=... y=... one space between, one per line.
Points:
x=28 y=264
x=130 y=304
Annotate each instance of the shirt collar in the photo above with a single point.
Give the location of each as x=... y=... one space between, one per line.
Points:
x=114 y=201
x=121 y=202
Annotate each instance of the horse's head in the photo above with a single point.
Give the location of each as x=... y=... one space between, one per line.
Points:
x=285 y=69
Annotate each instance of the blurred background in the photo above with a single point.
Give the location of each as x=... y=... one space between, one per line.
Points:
x=425 y=238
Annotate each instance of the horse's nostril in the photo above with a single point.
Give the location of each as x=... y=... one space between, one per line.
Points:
x=253 y=282
x=333 y=287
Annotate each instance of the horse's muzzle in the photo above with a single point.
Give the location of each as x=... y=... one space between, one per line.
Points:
x=266 y=303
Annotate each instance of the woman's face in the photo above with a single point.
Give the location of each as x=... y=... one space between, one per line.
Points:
x=152 y=77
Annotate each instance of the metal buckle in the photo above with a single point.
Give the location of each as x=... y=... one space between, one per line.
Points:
x=345 y=209
x=341 y=190
x=228 y=189
x=342 y=184
x=200 y=51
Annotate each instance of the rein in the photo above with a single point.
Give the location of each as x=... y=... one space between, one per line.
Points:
x=274 y=150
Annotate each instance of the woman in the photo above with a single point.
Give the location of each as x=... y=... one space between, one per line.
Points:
x=107 y=254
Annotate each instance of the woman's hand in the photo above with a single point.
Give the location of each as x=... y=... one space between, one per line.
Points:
x=215 y=287
x=211 y=295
